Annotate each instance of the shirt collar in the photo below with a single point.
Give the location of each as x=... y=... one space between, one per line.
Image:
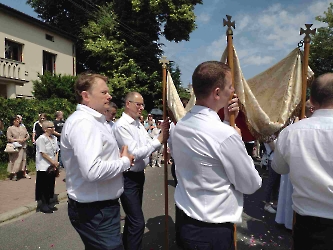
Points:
x=197 y=109
x=94 y=113
x=130 y=119
x=323 y=113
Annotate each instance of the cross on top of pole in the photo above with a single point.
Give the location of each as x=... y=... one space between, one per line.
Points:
x=307 y=32
x=164 y=61
x=229 y=24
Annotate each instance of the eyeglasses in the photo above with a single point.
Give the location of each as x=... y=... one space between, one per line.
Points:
x=138 y=104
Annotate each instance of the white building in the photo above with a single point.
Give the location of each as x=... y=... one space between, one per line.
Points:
x=28 y=46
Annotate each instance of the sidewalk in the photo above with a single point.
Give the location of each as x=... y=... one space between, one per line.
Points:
x=18 y=197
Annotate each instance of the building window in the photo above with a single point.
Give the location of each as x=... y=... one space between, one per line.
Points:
x=49 y=62
x=13 y=50
x=49 y=37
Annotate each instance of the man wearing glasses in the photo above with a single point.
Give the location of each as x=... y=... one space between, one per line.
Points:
x=129 y=131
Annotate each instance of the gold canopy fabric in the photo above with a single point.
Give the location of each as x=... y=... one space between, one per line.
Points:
x=269 y=99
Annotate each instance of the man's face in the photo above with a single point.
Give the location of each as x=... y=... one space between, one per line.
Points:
x=134 y=106
x=110 y=114
x=227 y=91
x=98 y=97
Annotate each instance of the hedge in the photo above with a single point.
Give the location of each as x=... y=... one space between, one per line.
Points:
x=29 y=110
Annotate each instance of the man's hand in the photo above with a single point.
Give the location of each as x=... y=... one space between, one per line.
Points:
x=232 y=107
x=164 y=135
x=124 y=152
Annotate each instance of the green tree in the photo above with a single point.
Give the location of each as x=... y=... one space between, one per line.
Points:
x=321 y=51
x=132 y=37
x=54 y=86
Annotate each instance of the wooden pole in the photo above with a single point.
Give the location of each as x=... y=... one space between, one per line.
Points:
x=307 y=40
x=164 y=62
x=229 y=34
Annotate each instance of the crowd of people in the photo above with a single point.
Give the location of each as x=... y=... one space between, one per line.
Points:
x=105 y=163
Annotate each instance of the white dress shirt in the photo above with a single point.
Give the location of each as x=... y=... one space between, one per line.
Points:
x=91 y=157
x=48 y=146
x=212 y=167
x=132 y=133
x=304 y=149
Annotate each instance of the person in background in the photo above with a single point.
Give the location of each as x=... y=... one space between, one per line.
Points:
x=304 y=150
x=37 y=129
x=46 y=156
x=58 y=125
x=17 y=161
x=150 y=123
x=21 y=120
x=156 y=156
x=110 y=113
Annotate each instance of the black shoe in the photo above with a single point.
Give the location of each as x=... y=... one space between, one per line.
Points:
x=46 y=210
x=53 y=208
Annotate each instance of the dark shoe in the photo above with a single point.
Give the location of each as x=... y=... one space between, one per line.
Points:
x=45 y=209
x=14 y=178
x=53 y=208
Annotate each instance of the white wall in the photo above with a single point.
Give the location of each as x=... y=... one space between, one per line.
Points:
x=33 y=38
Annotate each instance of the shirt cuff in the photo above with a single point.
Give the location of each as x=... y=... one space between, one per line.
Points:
x=156 y=143
x=127 y=164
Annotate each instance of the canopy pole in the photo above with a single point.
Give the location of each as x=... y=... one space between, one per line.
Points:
x=229 y=34
x=164 y=62
x=307 y=40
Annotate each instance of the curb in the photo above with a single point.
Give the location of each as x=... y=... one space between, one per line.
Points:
x=25 y=209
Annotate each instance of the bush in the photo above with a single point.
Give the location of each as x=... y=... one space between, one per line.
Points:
x=29 y=109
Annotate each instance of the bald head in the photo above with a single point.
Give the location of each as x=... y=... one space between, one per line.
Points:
x=322 y=91
x=132 y=95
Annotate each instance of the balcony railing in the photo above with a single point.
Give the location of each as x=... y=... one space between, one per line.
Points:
x=12 y=69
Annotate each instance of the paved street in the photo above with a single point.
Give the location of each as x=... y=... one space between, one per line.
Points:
x=53 y=231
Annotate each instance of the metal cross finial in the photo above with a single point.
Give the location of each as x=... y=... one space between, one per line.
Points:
x=164 y=61
x=229 y=24
x=307 y=32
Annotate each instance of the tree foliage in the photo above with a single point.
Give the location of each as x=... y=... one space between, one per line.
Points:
x=120 y=38
x=321 y=51
x=54 y=86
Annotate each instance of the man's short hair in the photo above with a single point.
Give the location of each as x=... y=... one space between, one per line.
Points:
x=207 y=76
x=113 y=105
x=322 y=90
x=84 y=83
x=130 y=95
x=57 y=113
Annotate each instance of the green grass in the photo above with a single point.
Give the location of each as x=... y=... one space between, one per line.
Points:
x=3 y=169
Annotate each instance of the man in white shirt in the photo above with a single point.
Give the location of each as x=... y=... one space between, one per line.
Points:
x=110 y=113
x=94 y=166
x=212 y=166
x=304 y=150
x=129 y=131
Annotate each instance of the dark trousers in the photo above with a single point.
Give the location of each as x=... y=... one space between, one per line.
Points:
x=313 y=233
x=198 y=235
x=44 y=186
x=131 y=201
x=98 y=224
x=273 y=185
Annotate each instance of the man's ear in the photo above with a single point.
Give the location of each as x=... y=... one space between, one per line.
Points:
x=217 y=92
x=85 y=95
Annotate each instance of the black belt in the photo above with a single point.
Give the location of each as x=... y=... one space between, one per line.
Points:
x=99 y=204
x=187 y=218
x=313 y=220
